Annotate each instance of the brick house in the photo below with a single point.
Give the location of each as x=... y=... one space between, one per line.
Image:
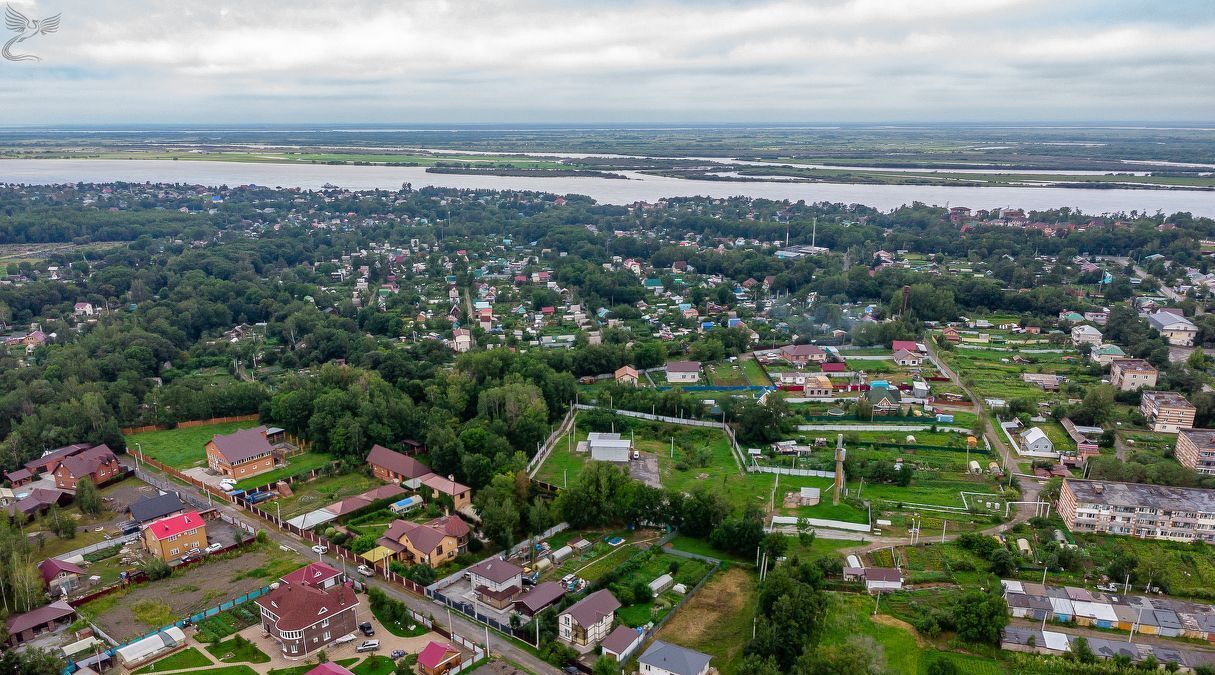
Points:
x=802 y=354
x=497 y=582
x=241 y=454
x=98 y=464
x=432 y=543
x=317 y=575
x=394 y=467
x=172 y=537
x=1167 y=411
x=1195 y=449
x=303 y=619
x=589 y=620
x=461 y=495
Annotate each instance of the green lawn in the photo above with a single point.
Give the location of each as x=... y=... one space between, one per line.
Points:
x=187 y=658
x=295 y=465
x=374 y=665
x=229 y=651
x=755 y=373
x=400 y=629
x=324 y=491
x=182 y=448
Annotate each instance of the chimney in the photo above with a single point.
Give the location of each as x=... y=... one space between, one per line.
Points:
x=1099 y=488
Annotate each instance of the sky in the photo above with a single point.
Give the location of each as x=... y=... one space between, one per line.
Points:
x=612 y=61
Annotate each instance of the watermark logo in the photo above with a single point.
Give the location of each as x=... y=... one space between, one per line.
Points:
x=25 y=28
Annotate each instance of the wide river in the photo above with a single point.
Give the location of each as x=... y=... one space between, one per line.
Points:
x=611 y=191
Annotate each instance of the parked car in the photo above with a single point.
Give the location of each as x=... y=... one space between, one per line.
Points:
x=214 y=547
x=194 y=552
x=366 y=571
x=368 y=646
x=636 y=454
x=1108 y=588
x=189 y=558
x=367 y=628
x=397 y=653
x=320 y=548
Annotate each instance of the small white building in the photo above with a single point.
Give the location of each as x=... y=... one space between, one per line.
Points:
x=683 y=372
x=605 y=447
x=664 y=658
x=1035 y=442
x=661 y=584
x=461 y=340
x=1085 y=335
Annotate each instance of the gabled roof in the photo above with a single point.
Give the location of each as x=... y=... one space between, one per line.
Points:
x=435 y=654
x=298 y=606
x=683 y=367
x=396 y=462
x=167 y=527
x=151 y=508
x=328 y=668
x=88 y=462
x=591 y=609
x=313 y=574
x=445 y=485
x=673 y=658
x=620 y=639
x=242 y=445
x=54 y=611
x=495 y=570
x=51 y=568
x=423 y=537
x=541 y=595
x=55 y=456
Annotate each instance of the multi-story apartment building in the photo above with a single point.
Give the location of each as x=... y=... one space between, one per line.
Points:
x=1138 y=510
x=1166 y=411
x=1131 y=374
x=1195 y=449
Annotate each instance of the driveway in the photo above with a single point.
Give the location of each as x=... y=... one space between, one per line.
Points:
x=646 y=469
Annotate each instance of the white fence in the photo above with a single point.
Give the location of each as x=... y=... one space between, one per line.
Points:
x=788 y=471
x=822 y=522
x=99 y=546
x=562 y=429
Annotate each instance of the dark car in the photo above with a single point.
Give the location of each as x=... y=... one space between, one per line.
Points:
x=366 y=628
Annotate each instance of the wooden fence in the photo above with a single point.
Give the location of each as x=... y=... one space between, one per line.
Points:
x=127 y=431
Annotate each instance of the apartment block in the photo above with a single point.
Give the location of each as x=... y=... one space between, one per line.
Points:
x=1195 y=449
x=1138 y=510
x=1166 y=411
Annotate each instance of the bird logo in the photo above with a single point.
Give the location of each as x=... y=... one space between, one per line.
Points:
x=25 y=28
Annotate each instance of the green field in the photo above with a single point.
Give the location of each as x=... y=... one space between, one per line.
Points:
x=182 y=448
x=295 y=465
x=323 y=491
x=187 y=658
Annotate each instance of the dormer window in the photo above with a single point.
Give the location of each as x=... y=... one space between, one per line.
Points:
x=322 y=611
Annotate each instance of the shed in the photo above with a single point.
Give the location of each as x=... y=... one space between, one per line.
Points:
x=170 y=638
x=661 y=584
x=561 y=554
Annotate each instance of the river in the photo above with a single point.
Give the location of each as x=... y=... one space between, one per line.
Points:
x=640 y=187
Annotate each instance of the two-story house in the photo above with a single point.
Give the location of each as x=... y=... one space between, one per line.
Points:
x=304 y=619
x=497 y=582
x=317 y=575
x=172 y=537
x=431 y=543
x=97 y=464
x=589 y=620
x=241 y=454
x=395 y=467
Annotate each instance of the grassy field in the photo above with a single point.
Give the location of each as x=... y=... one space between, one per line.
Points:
x=755 y=373
x=182 y=448
x=323 y=491
x=295 y=465
x=717 y=618
x=229 y=652
x=725 y=375
x=187 y=658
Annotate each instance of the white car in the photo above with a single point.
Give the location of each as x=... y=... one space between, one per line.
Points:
x=366 y=571
x=636 y=454
x=368 y=646
x=319 y=548
x=214 y=547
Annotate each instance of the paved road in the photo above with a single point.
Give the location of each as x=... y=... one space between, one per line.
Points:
x=466 y=628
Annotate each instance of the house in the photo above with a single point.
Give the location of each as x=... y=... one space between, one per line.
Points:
x=1106 y=354
x=883 y=579
x=1174 y=327
x=621 y=643
x=800 y=355
x=497 y=582
x=147 y=509
x=1131 y=374
x=951 y=334
x=664 y=658
x=908 y=359
x=431 y=543
x=60 y=576
x=240 y=454
x=540 y=597
x=394 y=467
x=1139 y=510
x=884 y=399
x=1166 y=411
x=328 y=668
x=83 y=309
x=588 y=621
x=1034 y=441
x=607 y=447
x=39 y=500
x=908 y=345
x=22 y=628
x=1085 y=334
x=317 y=575
x=437 y=658
x=461 y=340
x=627 y=375
x=460 y=495
x=48 y=462
x=818 y=386
x=303 y=619
x=683 y=372
x=97 y=464
x=173 y=537
x=1195 y=449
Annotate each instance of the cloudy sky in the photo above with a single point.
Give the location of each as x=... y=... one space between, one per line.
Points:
x=209 y=61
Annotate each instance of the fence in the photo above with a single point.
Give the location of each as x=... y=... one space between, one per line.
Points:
x=126 y=431
x=822 y=522
x=99 y=546
x=562 y=429
x=523 y=546
x=787 y=471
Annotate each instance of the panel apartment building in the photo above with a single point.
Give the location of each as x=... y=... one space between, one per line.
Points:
x=1138 y=510
x=1195 y=450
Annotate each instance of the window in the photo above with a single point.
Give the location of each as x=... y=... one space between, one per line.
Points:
x=174 y=551
x=294 y=649
x=326 y=636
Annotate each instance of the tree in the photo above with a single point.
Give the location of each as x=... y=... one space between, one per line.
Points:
x=605 y=665
x=1003 y=563
x=87 y=497
x=32 y=661
x=980 y=616
x=1082 y=652
x=942 y=665
x=858 y=655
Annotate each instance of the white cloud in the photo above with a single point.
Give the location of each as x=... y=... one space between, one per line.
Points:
x=547 y=61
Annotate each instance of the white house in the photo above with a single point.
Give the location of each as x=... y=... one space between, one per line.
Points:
x=497 y=582
x=683 y=372
x=908 y=359
x=83 y=309
x=586 y=622
x=1035 y=442
x=1178 y=330
x=461 y=340
x=664 y=658
x=1085 y=335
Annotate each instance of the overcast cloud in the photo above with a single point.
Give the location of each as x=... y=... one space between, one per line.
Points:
x=699 y=62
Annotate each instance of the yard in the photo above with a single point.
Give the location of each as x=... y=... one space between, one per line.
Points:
x=182 y=448
x=726 y=374
x=717 y=619
x=296 y=464
x=324 y=491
